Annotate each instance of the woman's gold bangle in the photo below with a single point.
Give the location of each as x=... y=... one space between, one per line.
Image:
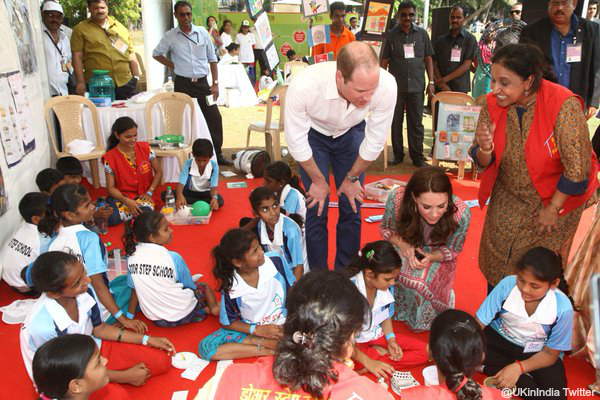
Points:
x=486 y=152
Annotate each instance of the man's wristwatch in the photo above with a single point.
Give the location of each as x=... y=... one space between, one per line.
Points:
x=432 y=83
x=215 y=82
x=352 y=178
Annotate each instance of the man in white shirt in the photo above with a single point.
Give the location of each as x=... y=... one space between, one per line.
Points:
x=57 y=48
x=325 y=111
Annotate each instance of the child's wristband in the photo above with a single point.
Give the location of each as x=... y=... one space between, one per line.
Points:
x=118 y=314
x=390 y=336
x=145 y=339
x=520 y=366
x=129 y=315
x=252 y=328
x=150 y=193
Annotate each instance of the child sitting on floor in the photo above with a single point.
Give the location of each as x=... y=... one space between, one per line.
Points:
x=47 y=180
x=456 y=345
x=276 y=231
x=159 y=278
x=254 y=288
x=72 y=169
x=528 y=320
x=279 y=179
x=26 y=244
x=70 y=206
x=71 y=367
x=378 y=350
x=68 y=305
x=199 y=178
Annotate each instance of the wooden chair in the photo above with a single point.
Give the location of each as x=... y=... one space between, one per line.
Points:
x=449 y=98
x=270 y=127
x=291 y=67
x=69 y=111
x=172 y=106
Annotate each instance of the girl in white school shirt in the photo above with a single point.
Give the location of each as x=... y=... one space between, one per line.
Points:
x=246 y=40
x=161 y=282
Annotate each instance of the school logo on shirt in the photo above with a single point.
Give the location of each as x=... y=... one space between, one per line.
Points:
x=145 y=167
x=159 y=271
x=550 y=144
x=20 y=247
x=277 y=302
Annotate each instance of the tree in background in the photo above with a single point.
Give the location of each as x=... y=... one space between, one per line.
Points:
x=127 y=12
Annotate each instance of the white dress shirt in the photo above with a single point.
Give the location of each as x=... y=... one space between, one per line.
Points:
x=313 y=101
x=57 y=78
x=246 y=43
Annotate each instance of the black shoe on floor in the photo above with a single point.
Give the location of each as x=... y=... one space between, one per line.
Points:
x=396 y=161
x=420 y=163
x=223 y=161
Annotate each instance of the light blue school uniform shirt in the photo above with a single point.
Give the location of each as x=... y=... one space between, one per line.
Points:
x=382 y=309
x=192 y=179
x=190 y=53
x=48 y=319
x=162 y=281
x=287 y=240
x=550 y=325
x=293 y=201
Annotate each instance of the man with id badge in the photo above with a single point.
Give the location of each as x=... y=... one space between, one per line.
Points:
x=102 y=42
x=571 y=46
x=57 y=48
x=192 y=54
x=454 y=52
x=408 y=53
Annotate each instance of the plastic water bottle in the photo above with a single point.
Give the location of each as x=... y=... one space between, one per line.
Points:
x=118 y=266
x=169 y=86
x=101 y=222
x=170 y=198
x=102 y=88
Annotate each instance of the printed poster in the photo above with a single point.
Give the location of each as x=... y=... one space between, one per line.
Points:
x=263 y=30
x=18 y=15
x=311 y=8
x=319 y=34
x=376 y=19
x=272 y=56
x=254 y=7
x=455 y=132
x=319 y=58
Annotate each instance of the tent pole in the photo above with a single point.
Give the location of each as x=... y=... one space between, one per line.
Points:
x=425 y=14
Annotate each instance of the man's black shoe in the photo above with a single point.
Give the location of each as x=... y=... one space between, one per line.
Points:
x=396 y=161
x=420 y=163
x=223 y=161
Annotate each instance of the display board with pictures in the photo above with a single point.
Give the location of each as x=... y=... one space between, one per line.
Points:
x=376 y=18
x=254 y=7
x=310 y=8
x=319 y=34
x=272 y=56
x=377 y=45
x=455 y=131
x=264 y=34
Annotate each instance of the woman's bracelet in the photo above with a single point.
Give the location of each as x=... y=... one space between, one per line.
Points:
x=150 y=193
x=486 y=152
x=520 y=366
x=145 y=339
x=129 y=315
x=390 y=336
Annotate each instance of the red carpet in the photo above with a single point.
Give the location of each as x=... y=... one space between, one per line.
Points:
x=194 y=243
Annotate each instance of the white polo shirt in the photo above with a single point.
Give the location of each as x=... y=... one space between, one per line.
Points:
x=383 y=308
x=57 y=55
x=313 y=101
x=25 y=246
x=246 y=50
x=162 y=281
x=287 y=240
x=48 y=319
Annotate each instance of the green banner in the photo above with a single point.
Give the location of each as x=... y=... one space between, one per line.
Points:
x=203 y=9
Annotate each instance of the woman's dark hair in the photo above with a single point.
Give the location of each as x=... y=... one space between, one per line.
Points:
x=202 y=148
x=67 y=197
x=34 y=204
x=232 y=47
x=380 y=257
x=234 y=244
x=410 y=222
x=223 y=28
x=140 y=229
x=209 y=17
x=60 y=360
x=280 y=171
x=457 y=345
x=326 y=318
x=525 y=60
x=69 y=166
x=546 y=266
x=49 y=271
x=259 y=194
x=121 y=125
x=47 y=178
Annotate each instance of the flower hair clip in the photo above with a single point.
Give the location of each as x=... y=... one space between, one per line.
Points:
x=461 y=325
x=302 y=338
x=370 y=255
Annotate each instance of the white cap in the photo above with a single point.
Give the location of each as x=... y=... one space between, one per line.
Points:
x=245 y=23
x=52 y=6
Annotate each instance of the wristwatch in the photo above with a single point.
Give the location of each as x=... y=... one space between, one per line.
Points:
x=431 y=82
x=352 y=178
x=215 y=82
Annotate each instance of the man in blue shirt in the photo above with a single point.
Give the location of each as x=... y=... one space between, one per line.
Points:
x=571 y=47
x=192 y=52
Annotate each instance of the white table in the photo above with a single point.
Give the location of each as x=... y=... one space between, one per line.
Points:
x=108 y=115
x=233 y=76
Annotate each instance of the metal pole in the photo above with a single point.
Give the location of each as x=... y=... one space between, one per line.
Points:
x=426 y=14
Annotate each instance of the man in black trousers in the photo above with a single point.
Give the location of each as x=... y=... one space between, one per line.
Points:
x=192 y=52
x=408 y=53
x=571 y=47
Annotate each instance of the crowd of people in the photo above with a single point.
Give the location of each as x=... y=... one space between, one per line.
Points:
x=82 y=338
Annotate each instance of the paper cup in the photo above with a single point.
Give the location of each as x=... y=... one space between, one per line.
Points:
x=183 y=360
x=430 y=374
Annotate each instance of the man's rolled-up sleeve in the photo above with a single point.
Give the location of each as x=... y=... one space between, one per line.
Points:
x=297 y=121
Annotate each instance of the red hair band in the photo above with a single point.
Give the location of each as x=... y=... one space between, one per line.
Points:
x=462 y=383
